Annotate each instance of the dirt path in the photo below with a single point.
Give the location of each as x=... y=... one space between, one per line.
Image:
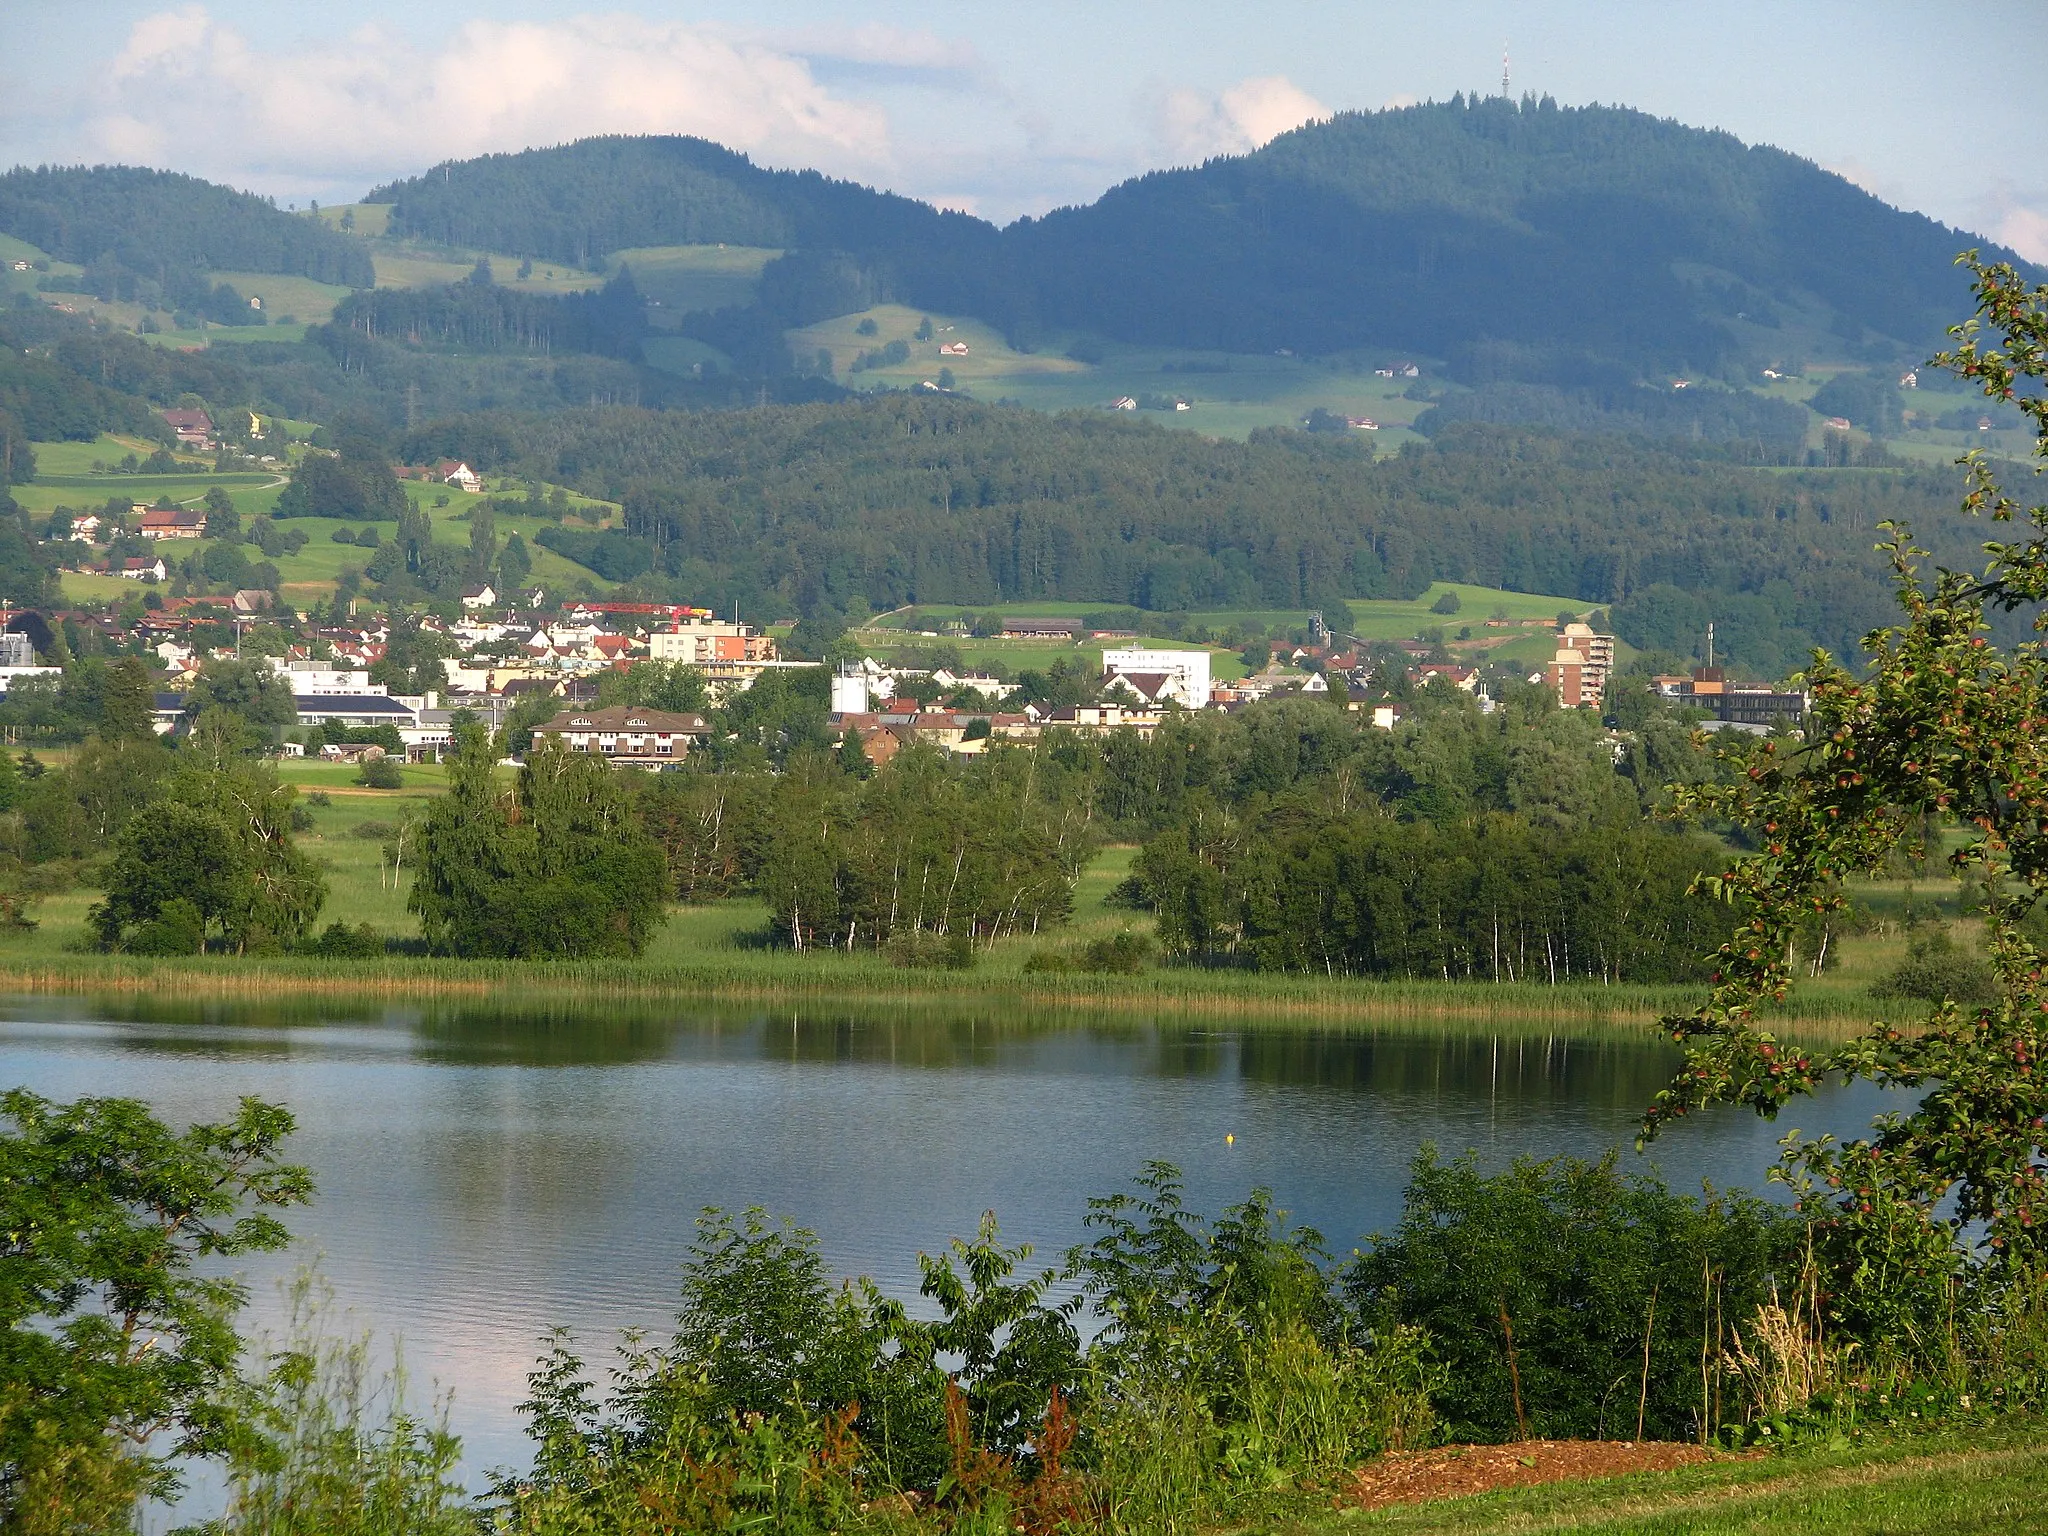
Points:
x=1455 y=1471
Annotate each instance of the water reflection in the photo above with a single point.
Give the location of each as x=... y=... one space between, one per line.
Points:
x=485 y=1173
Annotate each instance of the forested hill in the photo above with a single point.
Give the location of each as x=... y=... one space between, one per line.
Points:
x=154 y=222
x=889 y=500
x=580 y=202
x=1519 y=241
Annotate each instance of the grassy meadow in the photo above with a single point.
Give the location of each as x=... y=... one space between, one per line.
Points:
x=1229 y=394
x=1509 y=627
x=65 y=477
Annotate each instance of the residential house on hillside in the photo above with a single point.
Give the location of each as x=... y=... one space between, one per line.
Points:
x=144 y=568
x=173 y=523
x=485 y=596
x=628 y=735
x=454 y=472
x=952 y=349
x=194 y=427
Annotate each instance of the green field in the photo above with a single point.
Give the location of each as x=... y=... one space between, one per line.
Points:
x=1255 y=391
x=64 y=479
x=1526 y=636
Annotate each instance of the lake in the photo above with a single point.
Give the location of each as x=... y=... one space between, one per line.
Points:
x=484 y=1174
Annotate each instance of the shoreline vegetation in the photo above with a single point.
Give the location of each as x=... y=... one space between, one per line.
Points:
x=1241 y=998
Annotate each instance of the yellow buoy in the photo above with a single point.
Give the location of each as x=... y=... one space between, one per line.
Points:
x=1229 y=1140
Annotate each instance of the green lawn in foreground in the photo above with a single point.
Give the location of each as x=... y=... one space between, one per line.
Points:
x=1964 y=1483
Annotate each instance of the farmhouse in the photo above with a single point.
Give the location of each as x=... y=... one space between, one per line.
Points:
x=144 y=568
x=952 y=349
x=628 y=735
x=485 y=596
x=1040 y=629
x=173 y=523
x=460 y=475
x=194 y=427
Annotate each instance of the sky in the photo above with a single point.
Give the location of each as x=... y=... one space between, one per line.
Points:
x=1008 y=109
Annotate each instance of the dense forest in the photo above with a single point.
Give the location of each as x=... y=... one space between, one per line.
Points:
x=883 y=501
x=158 y=222
x=478 y=315
x=1520 y=240
x=1524 y=242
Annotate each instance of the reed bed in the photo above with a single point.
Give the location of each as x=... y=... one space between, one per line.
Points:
x=1238 y=999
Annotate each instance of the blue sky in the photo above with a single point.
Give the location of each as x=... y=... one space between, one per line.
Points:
x=1008 y=109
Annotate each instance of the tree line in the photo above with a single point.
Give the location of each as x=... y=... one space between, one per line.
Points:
x=155 y=222
x=478 y=314
x=873 y=503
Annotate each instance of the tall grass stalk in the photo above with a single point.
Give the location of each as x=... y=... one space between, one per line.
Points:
x=348 y=1454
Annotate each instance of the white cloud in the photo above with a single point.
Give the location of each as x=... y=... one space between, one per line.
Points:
x=2025 y=230
x=1193 y=125
x=372 y=105
x=878 y=43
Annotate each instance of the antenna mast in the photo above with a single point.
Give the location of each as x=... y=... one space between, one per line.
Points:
x=1506 y=94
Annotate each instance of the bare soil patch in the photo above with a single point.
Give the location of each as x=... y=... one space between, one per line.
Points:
x=1458 y=1471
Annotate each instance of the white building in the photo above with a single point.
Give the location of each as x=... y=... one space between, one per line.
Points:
x=1159 y=676
x=309 y=678
x=850 y=691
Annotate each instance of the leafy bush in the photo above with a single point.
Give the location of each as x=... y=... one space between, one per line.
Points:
x=341 y=942
x=1934 y=969
x=1121 y=954
x=372 y=831
x=179 y=928
x=921 y=949
x=380 y=773
x=1565 y=1299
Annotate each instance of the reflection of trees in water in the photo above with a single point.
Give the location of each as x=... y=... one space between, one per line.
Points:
x=1606 y=1066
x=1613 y=1071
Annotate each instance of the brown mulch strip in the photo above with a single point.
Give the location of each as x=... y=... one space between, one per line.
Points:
x=1456 y=1471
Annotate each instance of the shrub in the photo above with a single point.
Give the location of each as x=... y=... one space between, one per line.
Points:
x=341 y=942
x=372 y=831
x=923 y=950
x=1542 y=1286
x=319 y=799
x=1120 y=954
x=1447 y=603
x=179 y=928
x=1934 y=969
x=380 y=773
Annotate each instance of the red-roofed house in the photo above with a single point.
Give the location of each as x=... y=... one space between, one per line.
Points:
x=173 y=523
x=194 y=427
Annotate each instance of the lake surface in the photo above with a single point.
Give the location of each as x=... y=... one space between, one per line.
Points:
x=485 y=1175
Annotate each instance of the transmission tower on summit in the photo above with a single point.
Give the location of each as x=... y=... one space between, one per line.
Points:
x=1506 y=94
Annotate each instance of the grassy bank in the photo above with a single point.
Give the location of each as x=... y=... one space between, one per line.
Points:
x=1978 y=1480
